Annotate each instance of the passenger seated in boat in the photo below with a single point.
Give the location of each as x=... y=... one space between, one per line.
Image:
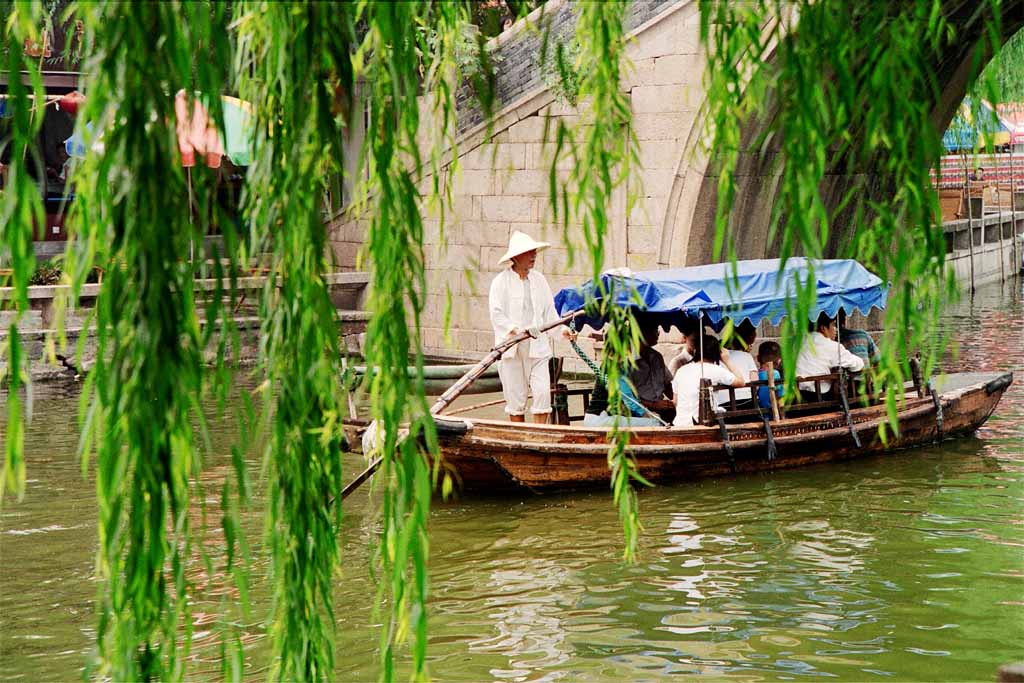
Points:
x=686 y=384
x=822 y=352
x=684 y=355
x=633 y=412
x=769 y=357
x=857 y=342
x=650 y=377
x=739 y=353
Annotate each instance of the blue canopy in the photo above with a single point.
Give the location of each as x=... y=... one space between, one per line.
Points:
x=754 y=291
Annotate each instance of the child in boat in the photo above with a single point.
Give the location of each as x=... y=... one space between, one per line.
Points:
x=686 y=384
x=769 y=356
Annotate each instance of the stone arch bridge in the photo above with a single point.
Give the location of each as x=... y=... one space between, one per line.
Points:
x=503 y=184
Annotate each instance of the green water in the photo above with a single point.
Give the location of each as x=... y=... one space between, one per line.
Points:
x=906 y=567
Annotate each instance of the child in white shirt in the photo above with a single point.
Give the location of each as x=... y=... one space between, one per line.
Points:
x=686 y=383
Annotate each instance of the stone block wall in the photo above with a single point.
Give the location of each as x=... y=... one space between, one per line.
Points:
x=502 y=181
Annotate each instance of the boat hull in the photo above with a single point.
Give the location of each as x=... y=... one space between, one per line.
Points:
x=492 y=456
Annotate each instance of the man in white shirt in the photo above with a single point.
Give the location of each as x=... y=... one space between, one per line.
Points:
x=521 y=301
x=821 y=352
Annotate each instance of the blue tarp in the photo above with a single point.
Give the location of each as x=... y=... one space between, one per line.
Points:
x=758 y=292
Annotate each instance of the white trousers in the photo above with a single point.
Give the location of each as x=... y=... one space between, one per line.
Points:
x=519 y=373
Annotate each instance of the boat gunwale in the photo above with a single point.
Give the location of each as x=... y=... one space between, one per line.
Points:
x=911 y=402
x=701 y=436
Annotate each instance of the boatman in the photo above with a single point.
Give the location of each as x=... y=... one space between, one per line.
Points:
x=521 y=301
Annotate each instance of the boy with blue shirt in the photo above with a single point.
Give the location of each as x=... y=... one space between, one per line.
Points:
x=769 y=355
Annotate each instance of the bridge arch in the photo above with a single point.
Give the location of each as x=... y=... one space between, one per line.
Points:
x=688 y=223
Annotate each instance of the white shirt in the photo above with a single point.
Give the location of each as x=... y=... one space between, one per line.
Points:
x=744 y=363
x=819 y=355
x=686 y=387
x=510 y=309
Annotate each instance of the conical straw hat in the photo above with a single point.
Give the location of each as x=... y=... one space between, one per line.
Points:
x=520 y=243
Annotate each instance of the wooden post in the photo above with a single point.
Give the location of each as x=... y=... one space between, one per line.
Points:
x=915 y=375
x=970 y=227
x=1013 y=211
x=772 y=397
x=999 y=242
x=705 y=410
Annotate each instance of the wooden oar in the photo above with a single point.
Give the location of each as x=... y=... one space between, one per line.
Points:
x=456 y=389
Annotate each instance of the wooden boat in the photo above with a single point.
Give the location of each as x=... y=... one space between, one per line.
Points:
x=496 y=456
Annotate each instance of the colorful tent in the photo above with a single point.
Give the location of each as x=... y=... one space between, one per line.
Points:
x=966 y=133
x=197 y=134
x=1012 y=115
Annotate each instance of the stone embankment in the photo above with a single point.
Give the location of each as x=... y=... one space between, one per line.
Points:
x=38 y=327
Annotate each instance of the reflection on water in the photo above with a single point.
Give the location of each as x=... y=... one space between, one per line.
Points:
x=902 y=567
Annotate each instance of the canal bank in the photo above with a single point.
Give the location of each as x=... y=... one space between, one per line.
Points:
x=38 y=326
x=986 y=249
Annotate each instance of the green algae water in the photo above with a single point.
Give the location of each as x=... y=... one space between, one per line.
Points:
x=903 y=567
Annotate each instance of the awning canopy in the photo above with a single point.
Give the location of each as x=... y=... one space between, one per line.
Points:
x=1012 y=116
x=754 y=291
x=198 y=136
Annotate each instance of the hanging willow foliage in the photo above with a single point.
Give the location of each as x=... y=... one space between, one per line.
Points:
x=855 y=103
x=399 y=36
x=297 y=85
x=309 y=68
x=22 y=208
x=132 y=218
x=603 y=150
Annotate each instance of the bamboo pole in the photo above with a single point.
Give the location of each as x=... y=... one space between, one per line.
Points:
x=1013 y=211
x=999 y=242
x=456 y=389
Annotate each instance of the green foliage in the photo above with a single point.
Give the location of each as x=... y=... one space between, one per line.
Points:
x=1006 y=70
x=603 y=150
x=47 y=273
x=22 y=208
x=850 y=103
x=394 y=246
x=491 y=15
x=562 y=71
x=300 y=141
x=131 y=217
x=471 y=54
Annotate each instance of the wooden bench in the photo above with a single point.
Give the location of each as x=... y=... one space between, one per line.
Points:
x=733 y=412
